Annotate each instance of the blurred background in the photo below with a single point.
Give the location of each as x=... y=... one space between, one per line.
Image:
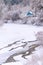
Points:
x=21 y=11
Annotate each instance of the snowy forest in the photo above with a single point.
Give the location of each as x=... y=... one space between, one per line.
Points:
x=21 y=32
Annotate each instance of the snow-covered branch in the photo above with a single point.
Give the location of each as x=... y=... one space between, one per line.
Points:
x=24 y=48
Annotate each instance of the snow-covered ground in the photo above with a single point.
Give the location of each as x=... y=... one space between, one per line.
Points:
x=15 y=33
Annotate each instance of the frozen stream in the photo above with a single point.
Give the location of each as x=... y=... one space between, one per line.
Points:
x=10 y=33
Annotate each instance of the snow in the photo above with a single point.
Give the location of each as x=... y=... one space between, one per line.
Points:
x=13 y=32
x=10 y=33
x=13 y=63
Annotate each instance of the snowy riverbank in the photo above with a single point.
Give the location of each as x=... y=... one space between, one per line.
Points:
x=10 y=33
